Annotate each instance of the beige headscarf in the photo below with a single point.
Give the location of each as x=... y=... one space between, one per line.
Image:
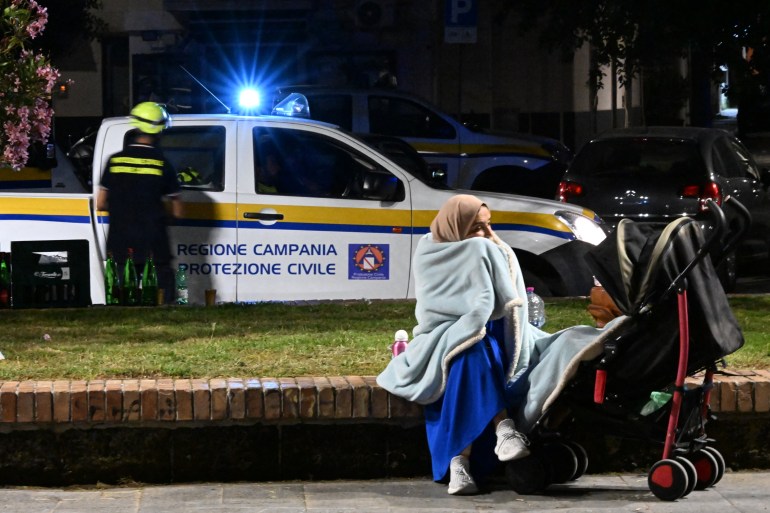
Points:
x=455 y=218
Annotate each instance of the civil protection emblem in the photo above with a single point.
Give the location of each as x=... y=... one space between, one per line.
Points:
x=368 y=262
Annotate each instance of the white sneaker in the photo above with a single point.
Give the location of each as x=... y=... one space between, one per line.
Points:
x=511 y=445
x=460 y=480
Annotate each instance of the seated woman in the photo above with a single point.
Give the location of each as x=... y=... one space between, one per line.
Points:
x=473 y=352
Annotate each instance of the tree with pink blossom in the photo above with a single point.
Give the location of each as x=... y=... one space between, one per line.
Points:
x=26 y=81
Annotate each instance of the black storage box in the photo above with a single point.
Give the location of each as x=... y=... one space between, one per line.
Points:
x=50 y=273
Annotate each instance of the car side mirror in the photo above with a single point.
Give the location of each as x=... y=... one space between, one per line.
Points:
x=380 y=186
x=438 y=175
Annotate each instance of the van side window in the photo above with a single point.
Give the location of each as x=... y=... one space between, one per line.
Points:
x=197 y=154
x=404 y=118
x=301 y=163
x=336 y=109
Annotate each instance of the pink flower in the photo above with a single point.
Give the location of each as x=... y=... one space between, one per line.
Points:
x=25 y=85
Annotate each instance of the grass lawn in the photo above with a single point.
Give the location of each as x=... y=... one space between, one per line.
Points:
x=263 y=340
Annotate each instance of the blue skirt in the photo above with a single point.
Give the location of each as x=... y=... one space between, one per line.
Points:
x=474 y=394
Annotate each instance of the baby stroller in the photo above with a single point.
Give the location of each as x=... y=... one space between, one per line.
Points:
x=631 y=382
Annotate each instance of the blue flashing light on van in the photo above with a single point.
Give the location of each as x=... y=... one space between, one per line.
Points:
x=249 y=99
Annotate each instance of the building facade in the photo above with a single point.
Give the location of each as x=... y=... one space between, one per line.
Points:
x=466 y=56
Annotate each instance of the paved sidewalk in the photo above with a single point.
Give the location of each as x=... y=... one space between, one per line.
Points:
x=744 y=492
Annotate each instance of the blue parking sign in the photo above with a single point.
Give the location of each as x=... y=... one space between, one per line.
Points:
x=460 y=18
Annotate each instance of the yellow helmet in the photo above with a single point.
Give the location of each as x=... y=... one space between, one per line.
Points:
x=150 y=118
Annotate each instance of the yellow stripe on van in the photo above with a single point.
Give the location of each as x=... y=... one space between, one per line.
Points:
x=343 y=215
x=423 y=218
x=44 y=206
x=300 y=214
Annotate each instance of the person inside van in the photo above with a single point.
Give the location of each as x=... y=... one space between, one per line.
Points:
x=269 y=169
x=285 y=169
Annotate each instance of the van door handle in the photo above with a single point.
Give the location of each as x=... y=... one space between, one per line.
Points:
x=263 y=216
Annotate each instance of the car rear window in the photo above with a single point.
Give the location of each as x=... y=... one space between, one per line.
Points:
x=639 y=156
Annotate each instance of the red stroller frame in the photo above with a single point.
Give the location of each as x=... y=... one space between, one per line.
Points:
x=676 y=476
x=688 y=462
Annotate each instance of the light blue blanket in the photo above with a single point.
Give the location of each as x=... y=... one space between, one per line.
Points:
x=459 y=287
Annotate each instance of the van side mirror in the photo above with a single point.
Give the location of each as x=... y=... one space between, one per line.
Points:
x=438 y=175
x=380 y=186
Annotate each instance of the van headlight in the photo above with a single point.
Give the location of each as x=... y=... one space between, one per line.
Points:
x=584 y=228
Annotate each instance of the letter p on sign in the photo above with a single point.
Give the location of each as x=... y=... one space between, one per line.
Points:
x=458 y=8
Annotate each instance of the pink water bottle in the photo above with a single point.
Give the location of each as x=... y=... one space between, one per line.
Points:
x=400 y=341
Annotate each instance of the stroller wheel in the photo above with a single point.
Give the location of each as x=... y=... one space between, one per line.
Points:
x=562 y=462
x=528 y=475
x=582 y=457
x=692 y=474
x=668 y=480
x=721 y=465
x=706 y=467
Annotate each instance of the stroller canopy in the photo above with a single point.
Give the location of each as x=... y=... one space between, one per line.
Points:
x=640 y=262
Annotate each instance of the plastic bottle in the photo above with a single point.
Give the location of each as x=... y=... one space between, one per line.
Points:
x=149 y=283
x=536 y=308
x=5 y=283
x=111 y=281
x=181 y=286
x=400 y=342
x=130 y=281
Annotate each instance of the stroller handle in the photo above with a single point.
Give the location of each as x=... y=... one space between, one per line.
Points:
x=720 y=225
x=743 y=224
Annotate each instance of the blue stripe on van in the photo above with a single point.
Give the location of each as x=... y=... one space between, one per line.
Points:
x=317 y=227
x=351 y=228
x=533 y=229
x=46 y=218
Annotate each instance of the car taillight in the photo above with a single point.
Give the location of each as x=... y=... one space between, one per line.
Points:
x=708 y=191
x=568 y=190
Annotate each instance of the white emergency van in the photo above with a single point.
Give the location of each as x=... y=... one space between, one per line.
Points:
x=338 y=220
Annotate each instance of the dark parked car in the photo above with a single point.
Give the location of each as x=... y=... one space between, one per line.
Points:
x=657 y=174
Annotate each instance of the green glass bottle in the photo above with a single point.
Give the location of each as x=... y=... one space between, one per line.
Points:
x=149 y=283
x=130 y=281
x=5 y=283
x=181 y=286
x=111 y=281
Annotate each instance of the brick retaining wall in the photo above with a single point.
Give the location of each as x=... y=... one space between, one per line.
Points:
x=182 y=402
x=59 y=433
